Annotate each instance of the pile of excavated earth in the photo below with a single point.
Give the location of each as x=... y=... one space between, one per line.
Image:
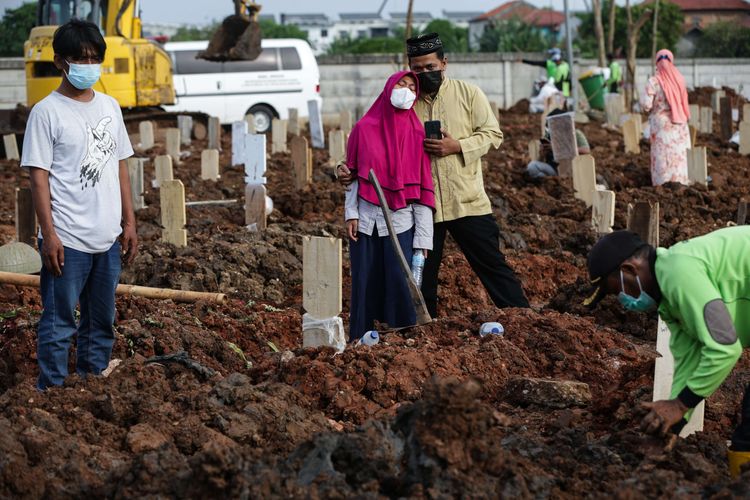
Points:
x=549 y=409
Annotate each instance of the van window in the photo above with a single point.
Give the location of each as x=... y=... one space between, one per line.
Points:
x=187 y=64
x=290 y=58
x=268 y=60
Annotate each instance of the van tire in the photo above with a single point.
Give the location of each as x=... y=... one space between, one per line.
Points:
x=264 y=115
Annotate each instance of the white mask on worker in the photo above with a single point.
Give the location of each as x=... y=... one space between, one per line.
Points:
x=402 y=98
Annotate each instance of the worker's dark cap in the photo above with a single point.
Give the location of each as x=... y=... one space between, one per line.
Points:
x=606 y=256
x=423 y=44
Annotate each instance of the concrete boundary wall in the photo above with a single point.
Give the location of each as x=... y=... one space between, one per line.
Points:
x=348 y=81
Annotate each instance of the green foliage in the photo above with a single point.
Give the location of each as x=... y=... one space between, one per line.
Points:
x=268 y=27
x=378 y=45
x=14 y=29
x=669 y=29
x=724 y=39
x=455 y=39
x=514 y=36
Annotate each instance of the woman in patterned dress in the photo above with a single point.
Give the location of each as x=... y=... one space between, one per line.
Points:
x=666 y=99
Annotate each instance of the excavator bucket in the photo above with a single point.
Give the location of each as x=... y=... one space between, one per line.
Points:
x=237 y=39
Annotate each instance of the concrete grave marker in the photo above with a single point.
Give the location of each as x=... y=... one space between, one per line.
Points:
x=214 y=133
x=239 y=131
x=173 y=218
x=300 y=162
x=173 y=144
x=345 y=121
x=25 y=217
x=725 y=119
x=614 y=107
x=146 y=131
x=697 y=166
x=185 y=124
x=630 y=135
x=210 y=164
x=322 y=292
x=745 y=137
x=562 y=131
x=255 y=159
x=135 y=173
x=255 y=207
x=336 y=146
x=584 y=178
x=250 y=119
x=11 y=147
x=707 y=120
x=163 y=170
x=716 y=100
x=293 y=122
x=603 y=211
x=535 y=147
x=316 y=124
x=278 y=136
x=695 y=116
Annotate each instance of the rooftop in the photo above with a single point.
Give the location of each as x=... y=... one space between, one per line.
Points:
x=415 y=16
x=360 y=16
x=527 y=13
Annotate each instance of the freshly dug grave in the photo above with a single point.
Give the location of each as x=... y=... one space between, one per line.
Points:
x=431 y=411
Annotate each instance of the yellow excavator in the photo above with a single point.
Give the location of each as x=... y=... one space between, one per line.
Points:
x=135 y=71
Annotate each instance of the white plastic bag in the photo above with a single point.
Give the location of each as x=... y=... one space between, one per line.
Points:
x=323 y=332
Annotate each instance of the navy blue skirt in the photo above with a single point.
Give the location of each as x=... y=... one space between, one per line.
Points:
x=379 y=289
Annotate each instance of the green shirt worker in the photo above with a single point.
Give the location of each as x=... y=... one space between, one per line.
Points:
x=615 y=75
x=557 y=69
x=701 y=289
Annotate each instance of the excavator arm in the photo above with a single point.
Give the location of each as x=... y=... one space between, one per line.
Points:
x=238 y=38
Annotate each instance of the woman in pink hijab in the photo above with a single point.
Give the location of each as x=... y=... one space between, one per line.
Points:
x=667 y=101
x=388 y=140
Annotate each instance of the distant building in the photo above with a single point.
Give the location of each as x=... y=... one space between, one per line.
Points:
x=699 y=14
x=418 y=20
x=461 y=19
x=317 y=27
x=547 y=20
x=361 y=25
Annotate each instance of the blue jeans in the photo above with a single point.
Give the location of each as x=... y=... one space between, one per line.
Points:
x=89 y=280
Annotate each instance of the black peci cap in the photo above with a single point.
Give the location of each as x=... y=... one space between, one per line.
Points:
x=606 y=256
x=423 y=44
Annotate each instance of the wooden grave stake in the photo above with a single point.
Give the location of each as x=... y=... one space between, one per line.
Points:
x=255 y=207
x=697 y=166
x=135 y=173
x=716 y=100
x=603 y=211
x=278 y=136
x=316 y=124
x=239 y=131
x=707 y=120
x=742 y=213
x=693 y=135
x=255 y=159
x=535 y=147
x=300 y=162
x=562 y=132
x=210 y=164
x=250 y=119
x=725 y=119
x=11 y=147
x=173 y=144
x=630 y=135
x=25 y=217
x=695 y=116
x=745 y=137
x=309 y=164
x=321 y=285
x=746 y=112
x=345 y=121
x=214 y=133
x=200 y=132
x=293 y=124
x=163 y=170
x=146 y=132
x=336 y=147
x=584 y=178
x=173 y=218
x=185 y=124
x=614 y=107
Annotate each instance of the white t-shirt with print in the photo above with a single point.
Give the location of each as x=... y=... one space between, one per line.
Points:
x=80 y=144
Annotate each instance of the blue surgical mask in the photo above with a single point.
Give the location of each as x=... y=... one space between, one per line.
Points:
x=644 y=302
x=83 y=76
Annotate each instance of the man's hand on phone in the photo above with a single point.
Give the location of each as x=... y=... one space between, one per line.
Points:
x=442 y=147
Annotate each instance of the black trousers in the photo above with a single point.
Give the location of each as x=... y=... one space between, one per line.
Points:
x=478 y=238
x=741 y=435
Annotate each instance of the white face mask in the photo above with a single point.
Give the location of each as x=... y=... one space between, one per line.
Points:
x=402 y=98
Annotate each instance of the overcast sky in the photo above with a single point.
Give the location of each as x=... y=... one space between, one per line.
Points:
x=202 y=11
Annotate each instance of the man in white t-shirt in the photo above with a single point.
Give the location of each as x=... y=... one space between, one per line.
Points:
x=75 y=148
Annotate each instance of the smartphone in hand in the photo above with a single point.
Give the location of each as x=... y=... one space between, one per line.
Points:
x=432 y=129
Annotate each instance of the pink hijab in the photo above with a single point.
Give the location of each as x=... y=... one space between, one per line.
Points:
x=673 y=84
x=390 y=142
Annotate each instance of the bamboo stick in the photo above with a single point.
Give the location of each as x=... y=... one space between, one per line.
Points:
x=133 y=290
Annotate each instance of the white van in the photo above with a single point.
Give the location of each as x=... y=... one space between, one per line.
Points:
x=284 y=76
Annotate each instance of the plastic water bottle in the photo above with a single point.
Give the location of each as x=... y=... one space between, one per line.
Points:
x=370 y=338
x=491 y=328
x=417 y=266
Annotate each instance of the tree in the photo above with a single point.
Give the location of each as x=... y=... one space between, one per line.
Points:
x=724 y=39
x=192 y=33
x=599 y=31
x=633 y=32
x=514 y=35
x=454 y=39
x=14 y=29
